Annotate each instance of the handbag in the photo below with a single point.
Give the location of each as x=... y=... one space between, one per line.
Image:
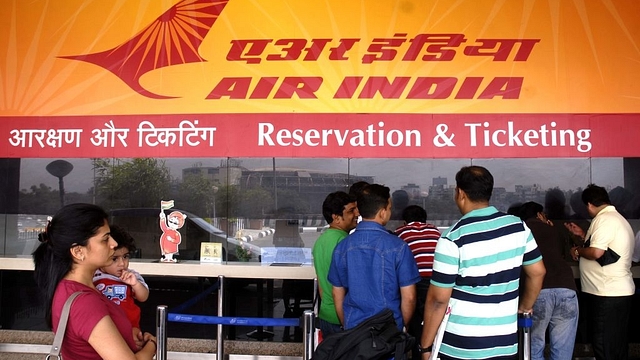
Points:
x=609 y=257
x=62 y=327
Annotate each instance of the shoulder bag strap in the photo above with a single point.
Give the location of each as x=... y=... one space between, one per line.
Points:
x=62 y=327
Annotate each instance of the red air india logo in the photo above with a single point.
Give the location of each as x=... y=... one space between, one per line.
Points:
x=172 y=39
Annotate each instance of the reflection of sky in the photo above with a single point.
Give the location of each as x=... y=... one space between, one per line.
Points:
x=548 y=173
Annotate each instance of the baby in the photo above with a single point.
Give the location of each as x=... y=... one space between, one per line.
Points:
x=121 y=284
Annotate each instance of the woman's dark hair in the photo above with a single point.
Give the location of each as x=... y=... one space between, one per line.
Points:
x=72 y=225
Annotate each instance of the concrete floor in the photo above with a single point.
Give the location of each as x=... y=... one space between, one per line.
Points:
x=193 y=347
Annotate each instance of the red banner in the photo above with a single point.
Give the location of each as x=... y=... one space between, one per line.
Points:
x=322 y=135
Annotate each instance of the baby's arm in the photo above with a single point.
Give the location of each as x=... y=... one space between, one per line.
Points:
x=140 y=290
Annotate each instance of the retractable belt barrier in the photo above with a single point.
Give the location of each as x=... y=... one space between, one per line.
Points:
x=236 y=321
x=307 y=324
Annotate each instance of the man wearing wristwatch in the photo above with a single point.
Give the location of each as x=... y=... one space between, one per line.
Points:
x=425 y=350
x=476 y=271
x=605 y=274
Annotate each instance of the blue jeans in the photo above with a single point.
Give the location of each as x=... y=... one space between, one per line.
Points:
x=557 y=310
x=327 y=328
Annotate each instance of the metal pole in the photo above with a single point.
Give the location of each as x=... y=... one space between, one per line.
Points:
x=61 y=188
x=316 y=303
x=308 y=325
x=161 y=332
x=220 y=337
x=525 y=322
x=275 y=188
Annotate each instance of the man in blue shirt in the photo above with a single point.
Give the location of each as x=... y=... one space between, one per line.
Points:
x=371 y=269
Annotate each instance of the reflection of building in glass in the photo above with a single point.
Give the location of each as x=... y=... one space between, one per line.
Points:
x=439 y=190
x=225 y=174
x=413 y=190
x=439 y=181
x=528 y=192
x=499 y=193
x=312 y=186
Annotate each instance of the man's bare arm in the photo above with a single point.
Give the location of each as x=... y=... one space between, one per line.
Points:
x=590 y=253
x=533 y=277
x=435 y=308
x=407 y=302
x=338 y=301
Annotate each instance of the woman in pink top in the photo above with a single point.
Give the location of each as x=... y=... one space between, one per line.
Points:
x=77 y=242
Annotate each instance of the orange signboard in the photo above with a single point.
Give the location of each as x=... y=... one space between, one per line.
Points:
x=89 y=68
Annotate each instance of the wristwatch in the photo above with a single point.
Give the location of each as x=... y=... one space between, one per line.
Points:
x=422 y=350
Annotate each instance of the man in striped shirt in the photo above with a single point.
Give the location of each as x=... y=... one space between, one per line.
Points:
x=422 y=239
x=476 y=271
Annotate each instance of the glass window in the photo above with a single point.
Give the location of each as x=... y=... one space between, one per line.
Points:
x=251 y=204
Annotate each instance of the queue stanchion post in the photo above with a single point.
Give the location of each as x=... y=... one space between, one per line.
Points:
x=316 y=303
x=308 y=323
x=220 y=334
x=316 y=310
x=524 y=336
x=161 y=332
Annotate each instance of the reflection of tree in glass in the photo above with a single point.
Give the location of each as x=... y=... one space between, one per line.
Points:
x=255 y=203
x=232 y=202
x=131 y=184
x=227 y=201
x=196 y=195
x=294 y=201
x=43 y=199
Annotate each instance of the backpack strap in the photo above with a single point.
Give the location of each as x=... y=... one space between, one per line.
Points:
x=403 y=345
x=400 y=351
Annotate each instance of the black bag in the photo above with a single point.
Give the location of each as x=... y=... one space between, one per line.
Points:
x=609 y=256
x=377 y=337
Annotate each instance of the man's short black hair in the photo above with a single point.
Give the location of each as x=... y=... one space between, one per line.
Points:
x=123 y=238
x=373 y=198
x=476 y=182
x=530 y=210
x=356 y=188
x=596 y=195
x=334 y=204
x=514 y=209
x=414 y=213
